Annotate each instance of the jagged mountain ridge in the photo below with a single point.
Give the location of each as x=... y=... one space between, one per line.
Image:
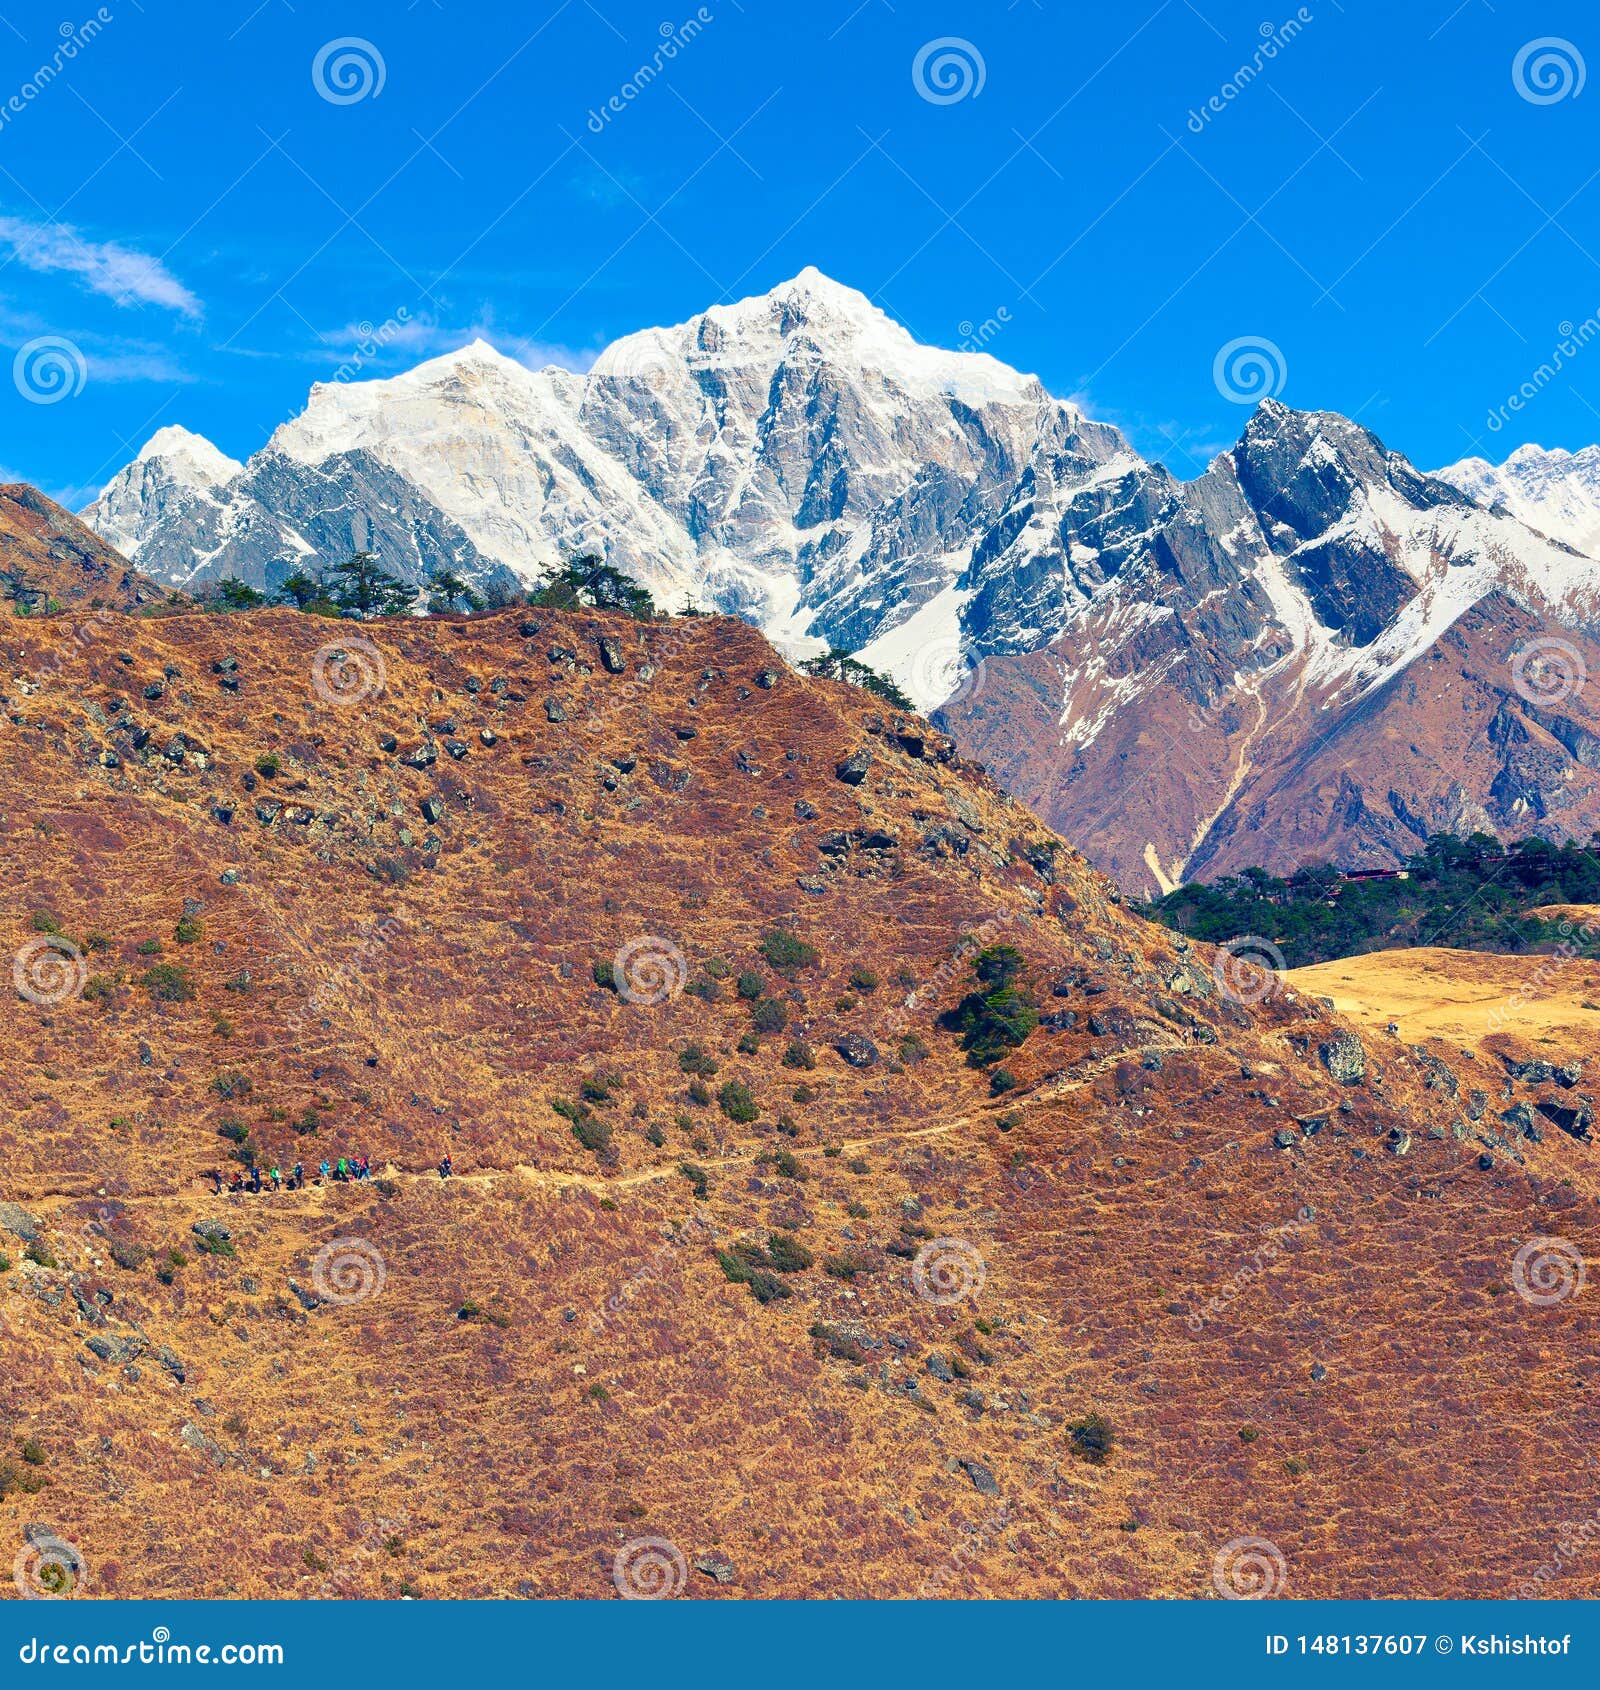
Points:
x=1555 y=491
x=1291 y=610
x=799 y=460
x=212 y=517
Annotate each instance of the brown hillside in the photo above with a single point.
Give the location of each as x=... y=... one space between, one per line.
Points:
x=47 y=554
x=1282 y=774
x=392 y=865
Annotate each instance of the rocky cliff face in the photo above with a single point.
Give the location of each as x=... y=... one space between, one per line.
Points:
x=1258 y=686
x=795 y=458
x=798 y=460
x=667 y=948
x=196 y=516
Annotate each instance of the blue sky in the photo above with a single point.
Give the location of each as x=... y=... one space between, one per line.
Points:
x=1379 y=207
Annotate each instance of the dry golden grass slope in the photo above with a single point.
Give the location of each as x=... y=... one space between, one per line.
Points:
x=1477 y=1000
x=385 y=879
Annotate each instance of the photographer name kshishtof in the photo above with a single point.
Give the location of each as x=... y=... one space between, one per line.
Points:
x=1505 y=1644
x=1417 y=1643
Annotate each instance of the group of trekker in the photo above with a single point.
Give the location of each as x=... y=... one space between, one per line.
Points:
x=256 y=1178
x=346 y=1168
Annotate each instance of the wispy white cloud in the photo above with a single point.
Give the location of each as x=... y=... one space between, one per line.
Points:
x=131 y=361
x=370 y=349
x=109 y=358
x=1186 y=449
x=121 y=273
x=536 y=354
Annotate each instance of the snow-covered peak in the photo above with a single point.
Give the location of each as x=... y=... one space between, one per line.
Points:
x=811 y=281
x=174 y=488
x=344 y=416
x=796 y=457
x=812 y=319
x=1270 y=412
x=427 y=403
x=189 y=456
x=1551 y=489
x=1531 y=455
x=812 y=298
x=1272 y=420
x=809 y=308
x=477 y=354
x=476 y=351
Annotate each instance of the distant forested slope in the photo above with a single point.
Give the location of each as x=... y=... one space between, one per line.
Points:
x=1470 y=894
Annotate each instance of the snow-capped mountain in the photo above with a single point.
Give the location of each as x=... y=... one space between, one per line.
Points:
x=800 y=460
x=1195 y=715
x=797 y=458
x=1555 y=491
x=188 y=514
x=170 y=488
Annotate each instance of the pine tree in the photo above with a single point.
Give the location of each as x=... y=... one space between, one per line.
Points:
x=298 y=589
x=591 y=581
x=837 y=664
x=446 y=589
x=363 y=585
x=231 y=594
x=1000 y=1015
